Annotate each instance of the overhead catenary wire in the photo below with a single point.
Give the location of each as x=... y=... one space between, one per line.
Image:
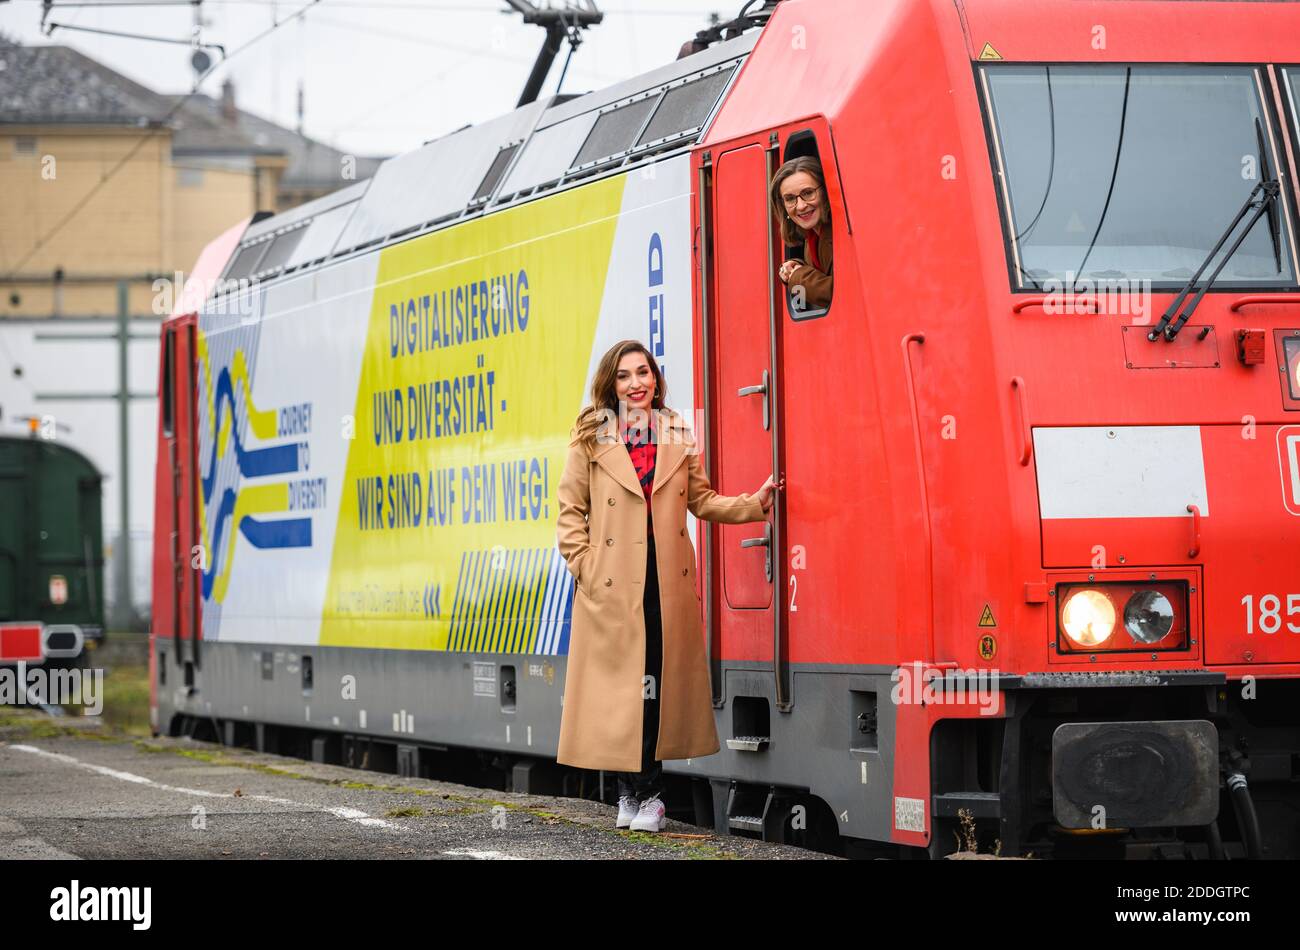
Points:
x=437 y=44
x=72 y=213
x=189 y=41
x=460 y=7
x=43 y=240
x=483 y=8
x=372 y=109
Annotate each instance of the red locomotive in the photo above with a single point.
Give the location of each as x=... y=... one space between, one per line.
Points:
x=1036 y=565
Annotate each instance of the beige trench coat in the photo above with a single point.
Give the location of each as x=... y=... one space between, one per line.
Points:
x=601 y=533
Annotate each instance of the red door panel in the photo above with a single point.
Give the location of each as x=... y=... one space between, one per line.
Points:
x=743 y=361
x=176 y=587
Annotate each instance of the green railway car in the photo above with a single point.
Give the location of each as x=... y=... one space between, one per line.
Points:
x=51 y=553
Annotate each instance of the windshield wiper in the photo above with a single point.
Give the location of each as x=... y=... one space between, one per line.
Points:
x=1274 y=225
x=1270 y=191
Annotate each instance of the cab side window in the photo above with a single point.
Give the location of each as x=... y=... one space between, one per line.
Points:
x=802 y=207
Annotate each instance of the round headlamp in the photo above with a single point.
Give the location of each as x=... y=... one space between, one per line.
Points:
x=1148 y=616
x=1088 y=617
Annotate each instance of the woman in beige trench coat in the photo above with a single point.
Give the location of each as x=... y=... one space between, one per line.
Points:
x=602 y=531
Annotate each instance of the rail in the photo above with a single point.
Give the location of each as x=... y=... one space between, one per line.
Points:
x=908 y=340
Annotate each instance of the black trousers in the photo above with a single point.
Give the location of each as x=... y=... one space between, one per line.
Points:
x=642 y=785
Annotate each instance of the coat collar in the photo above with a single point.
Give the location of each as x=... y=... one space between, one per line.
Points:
x=670 y=452
x=824 y=248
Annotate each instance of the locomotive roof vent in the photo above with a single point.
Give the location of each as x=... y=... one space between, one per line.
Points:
x=665 y=109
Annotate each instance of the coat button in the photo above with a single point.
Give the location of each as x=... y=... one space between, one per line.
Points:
x=608 y=581
x=609 y=541
x=611 y=501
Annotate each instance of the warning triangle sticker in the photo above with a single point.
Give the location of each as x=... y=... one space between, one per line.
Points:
x=986 y=618
x=988 y=52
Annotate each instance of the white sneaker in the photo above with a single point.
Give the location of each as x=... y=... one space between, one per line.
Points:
x=627 y=810
x=650 y=817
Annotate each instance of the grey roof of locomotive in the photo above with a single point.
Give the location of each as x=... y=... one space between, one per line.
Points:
x=534 y=150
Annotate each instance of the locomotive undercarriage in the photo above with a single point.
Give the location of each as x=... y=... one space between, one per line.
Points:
x=993 y=777
x=993 y=780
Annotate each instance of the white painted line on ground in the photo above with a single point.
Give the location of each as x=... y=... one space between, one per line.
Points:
x=347 y=814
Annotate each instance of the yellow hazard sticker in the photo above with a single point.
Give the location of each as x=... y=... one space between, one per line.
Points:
x=986 y=618
x=988 y=52
x=988 y=647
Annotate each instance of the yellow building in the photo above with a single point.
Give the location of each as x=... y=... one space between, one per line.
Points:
x=103 y=180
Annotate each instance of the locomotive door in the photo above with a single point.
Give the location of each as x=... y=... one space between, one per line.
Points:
x=179 y=430
x=745 y=394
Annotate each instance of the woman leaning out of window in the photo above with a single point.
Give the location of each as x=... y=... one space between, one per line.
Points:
x=800 y=205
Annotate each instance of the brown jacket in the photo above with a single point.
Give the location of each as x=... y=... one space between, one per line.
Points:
x=817 y=284
x=601 y=532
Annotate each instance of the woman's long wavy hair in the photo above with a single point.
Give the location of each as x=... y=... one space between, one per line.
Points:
x=791 y=233
x=601 y=416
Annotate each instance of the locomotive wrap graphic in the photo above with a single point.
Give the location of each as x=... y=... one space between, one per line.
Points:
x=400 y=494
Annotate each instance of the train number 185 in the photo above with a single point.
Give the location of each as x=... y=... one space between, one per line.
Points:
x=1266 y=612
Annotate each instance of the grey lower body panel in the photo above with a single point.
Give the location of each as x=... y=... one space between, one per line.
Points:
x=836 y=744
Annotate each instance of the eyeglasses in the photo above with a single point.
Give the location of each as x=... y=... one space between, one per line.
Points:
x=808 y=194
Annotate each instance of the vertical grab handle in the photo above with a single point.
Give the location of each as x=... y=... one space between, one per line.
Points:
x=920 y=475
x=1195 y=549
x=1026 y=443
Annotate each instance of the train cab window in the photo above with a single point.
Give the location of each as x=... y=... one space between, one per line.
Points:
x=169 y=384
x=804 y=215
x=1134 y=172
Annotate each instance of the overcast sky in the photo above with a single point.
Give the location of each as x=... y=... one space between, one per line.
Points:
x=381 y=76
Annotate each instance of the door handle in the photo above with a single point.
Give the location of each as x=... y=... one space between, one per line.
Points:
x=754 y=390
x=764 y=542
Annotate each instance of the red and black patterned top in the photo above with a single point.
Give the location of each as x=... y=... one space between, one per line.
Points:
x=640 y=442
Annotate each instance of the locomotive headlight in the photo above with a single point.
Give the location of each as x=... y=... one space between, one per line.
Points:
x=1291 y=347
x=1148 y=616
x=1088 y=617
x=1124 y=616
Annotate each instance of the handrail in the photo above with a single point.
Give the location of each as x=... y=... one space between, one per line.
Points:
x=776 y=552
x=906 y=344
x=704 y=532
x=1026 y=440
x=1063 y=302
x=1196 y=531
x=1251 y=299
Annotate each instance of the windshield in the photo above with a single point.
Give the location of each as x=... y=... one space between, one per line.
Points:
x=1131 y=172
